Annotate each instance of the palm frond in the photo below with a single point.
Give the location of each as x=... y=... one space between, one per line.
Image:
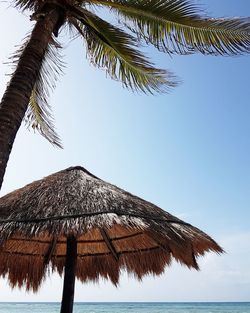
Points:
x=177 y=26
x=38 y=115
x=114 y=50
x=25 y=4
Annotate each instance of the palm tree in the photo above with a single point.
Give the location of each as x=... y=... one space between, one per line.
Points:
x=172 y=26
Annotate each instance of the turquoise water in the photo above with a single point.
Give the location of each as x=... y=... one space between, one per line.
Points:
x=128 y=307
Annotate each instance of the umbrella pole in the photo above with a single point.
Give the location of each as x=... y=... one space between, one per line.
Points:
x=69 y=276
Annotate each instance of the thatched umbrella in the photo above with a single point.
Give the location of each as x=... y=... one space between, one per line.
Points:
x=88 y=228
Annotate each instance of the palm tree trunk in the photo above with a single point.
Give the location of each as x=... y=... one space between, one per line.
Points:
x=16 y=97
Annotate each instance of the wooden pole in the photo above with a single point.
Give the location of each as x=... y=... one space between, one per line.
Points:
x=69 y=276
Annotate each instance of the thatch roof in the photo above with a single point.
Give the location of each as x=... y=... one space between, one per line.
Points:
x=115 y=230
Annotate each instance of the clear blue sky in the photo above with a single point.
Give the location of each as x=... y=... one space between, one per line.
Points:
x=187 y=152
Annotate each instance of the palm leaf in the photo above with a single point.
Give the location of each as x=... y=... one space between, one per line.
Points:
x=25 y=4
x=111 y=48
x=38 y=115
x=40 y=119
x=178 y=26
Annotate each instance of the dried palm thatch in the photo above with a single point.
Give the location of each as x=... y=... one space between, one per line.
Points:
x=114 y=231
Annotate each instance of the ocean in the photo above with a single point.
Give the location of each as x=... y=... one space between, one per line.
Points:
x=191 y=307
